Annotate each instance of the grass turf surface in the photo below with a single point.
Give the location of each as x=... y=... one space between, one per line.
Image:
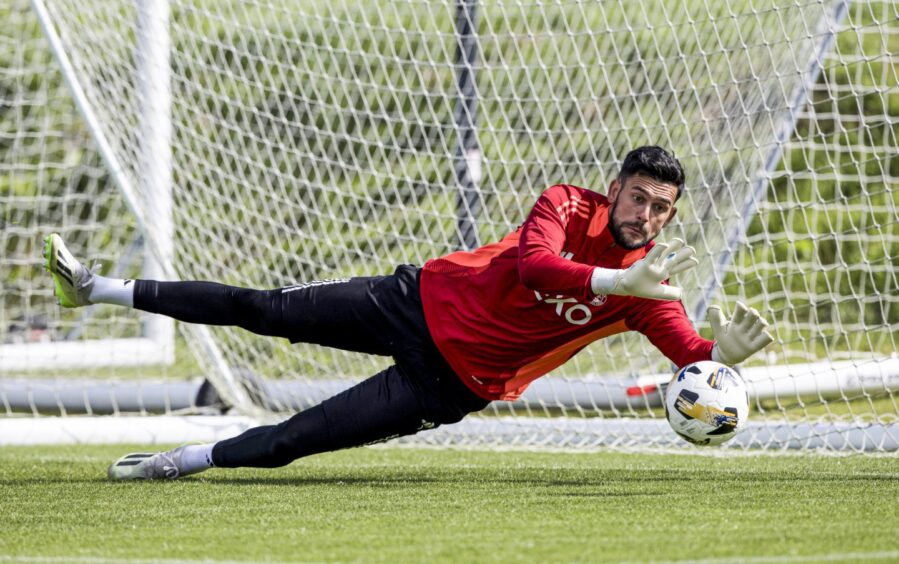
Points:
x=430 y=505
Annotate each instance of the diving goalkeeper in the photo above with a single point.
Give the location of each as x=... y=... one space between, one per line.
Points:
x=466 y=329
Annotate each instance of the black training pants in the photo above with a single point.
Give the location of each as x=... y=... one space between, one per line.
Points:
x=378 y=315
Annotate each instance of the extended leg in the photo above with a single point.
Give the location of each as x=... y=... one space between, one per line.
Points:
x=210 y=303
x=346 y=314
x=378 y=315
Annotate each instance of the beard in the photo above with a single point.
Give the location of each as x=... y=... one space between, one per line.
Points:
x=617 y=230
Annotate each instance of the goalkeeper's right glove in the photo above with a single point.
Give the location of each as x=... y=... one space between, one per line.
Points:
x=644 y=278
x=741 y=337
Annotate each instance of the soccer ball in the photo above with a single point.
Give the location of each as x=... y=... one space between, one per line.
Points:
x=707 y=403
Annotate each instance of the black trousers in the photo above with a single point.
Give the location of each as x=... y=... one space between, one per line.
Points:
x=378 y=315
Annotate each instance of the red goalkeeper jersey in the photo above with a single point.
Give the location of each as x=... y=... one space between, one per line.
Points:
x=509 y=312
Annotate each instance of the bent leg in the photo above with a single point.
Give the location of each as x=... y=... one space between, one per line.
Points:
x=387 y=405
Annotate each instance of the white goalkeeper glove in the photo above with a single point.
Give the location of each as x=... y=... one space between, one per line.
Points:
x=643 y=279
x=741 y=337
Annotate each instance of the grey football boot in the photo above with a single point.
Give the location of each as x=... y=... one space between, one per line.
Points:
x=148 y=466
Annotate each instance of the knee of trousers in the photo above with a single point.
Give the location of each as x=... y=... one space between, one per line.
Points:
x=449 y=412
x=283 y=448
x=261 y=310
x=447 y=415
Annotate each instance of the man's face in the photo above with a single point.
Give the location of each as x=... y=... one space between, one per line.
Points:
x=641 y=207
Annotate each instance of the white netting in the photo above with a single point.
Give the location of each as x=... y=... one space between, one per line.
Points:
x=314 y=140
x=51 y=179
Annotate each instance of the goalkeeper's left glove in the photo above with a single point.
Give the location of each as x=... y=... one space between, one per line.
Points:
x=741 y=337
x=644 y=278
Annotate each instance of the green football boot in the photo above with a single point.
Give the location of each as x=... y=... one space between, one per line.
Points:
x=72 y=280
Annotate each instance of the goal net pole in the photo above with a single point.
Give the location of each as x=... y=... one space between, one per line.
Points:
x=784 y=130
x=155 y=161
x=155 y=345
x=152 y=209
x=468 y=153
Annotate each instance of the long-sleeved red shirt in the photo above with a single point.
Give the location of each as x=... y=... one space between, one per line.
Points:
x=509 y=312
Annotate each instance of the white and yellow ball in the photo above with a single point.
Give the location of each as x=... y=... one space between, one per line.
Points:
x=707 y=403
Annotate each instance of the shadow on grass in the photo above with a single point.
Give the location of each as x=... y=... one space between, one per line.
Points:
x=482 y=478
x=600 y=479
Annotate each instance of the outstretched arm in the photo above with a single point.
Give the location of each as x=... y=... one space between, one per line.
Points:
x=667 y=326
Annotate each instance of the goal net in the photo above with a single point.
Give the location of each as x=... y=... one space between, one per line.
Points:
x=268 y=144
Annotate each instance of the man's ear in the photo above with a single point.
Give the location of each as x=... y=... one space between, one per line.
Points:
x=671 y=215
x=614 y=189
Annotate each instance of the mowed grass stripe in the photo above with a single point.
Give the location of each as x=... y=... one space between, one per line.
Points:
x=836 y=557
x=103 y=560
x=433 y=505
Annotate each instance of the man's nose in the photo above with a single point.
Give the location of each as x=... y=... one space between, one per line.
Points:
x=643 y=214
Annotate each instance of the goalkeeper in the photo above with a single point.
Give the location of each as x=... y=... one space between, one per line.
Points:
x=466 y=329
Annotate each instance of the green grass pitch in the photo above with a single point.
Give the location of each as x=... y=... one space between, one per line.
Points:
x=404 y=505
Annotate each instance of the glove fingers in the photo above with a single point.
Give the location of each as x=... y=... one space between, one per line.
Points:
x=753 y=322
x=656 y=254
x=757 y=320
x=759 y=337
x=752 y=334
x=750 y=319
x=756 y=336
x=682 y=260
x=670 y=253
x=740 y=312
x=675 y=245
x=717 y=321
x=687 y=264
x=762 y=340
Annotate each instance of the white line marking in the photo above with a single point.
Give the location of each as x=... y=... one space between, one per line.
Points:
x=832 y=557
x=109 y=560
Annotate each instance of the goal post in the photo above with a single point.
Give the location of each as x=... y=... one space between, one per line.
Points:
x=154 y=343
x=266 y=145
x=783 y=129
x=155 y=146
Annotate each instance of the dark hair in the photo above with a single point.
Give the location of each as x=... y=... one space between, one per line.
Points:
x=655 y=162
